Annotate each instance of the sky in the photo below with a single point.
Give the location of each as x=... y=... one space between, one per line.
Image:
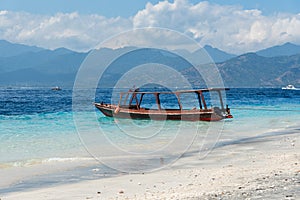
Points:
x=235 y=26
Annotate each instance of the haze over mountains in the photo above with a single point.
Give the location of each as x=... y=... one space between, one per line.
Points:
x=23 y=65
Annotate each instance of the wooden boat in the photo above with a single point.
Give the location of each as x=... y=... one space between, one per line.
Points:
x=130 y=106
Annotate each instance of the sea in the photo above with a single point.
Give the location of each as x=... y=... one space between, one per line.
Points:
x=47 y=138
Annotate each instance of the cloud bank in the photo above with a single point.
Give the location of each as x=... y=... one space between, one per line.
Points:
x=230 y=28
x=71 y=30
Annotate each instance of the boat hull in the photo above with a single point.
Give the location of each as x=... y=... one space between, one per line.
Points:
x=175 y=114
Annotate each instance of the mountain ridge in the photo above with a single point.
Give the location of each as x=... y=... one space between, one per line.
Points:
x=34 y=65
x=8 y=49
x=286 y=49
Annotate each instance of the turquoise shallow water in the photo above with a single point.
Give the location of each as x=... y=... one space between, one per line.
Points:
x=39 y=128
x=25 y=137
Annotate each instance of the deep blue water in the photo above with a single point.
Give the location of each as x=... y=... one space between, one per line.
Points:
x=29 y=101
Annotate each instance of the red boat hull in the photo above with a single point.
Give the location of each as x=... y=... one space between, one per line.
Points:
x=170 y=114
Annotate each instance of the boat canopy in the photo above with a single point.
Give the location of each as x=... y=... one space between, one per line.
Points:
x=134 y=97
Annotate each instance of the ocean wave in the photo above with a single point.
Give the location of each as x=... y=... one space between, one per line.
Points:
x=32 y=162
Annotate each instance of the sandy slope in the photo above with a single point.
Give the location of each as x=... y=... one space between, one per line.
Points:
x=261 y=168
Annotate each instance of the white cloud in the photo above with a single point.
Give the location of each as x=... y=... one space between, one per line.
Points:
x=71 y=30
x=230 y=28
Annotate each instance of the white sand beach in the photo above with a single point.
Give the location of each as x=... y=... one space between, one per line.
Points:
x=266 y=167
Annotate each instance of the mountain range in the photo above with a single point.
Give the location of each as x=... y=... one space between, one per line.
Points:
x=286 y=49
x=252 y=70
x=29 y=65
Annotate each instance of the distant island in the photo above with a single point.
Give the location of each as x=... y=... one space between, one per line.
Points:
x=29 y=65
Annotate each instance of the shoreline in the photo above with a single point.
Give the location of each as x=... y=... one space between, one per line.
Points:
x=265 y=167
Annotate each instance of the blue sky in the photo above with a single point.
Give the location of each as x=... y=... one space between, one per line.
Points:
x=109 y=8
x=126 y=8
x=235 y=26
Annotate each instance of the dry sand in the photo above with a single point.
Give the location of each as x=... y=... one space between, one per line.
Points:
x=254 y=168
